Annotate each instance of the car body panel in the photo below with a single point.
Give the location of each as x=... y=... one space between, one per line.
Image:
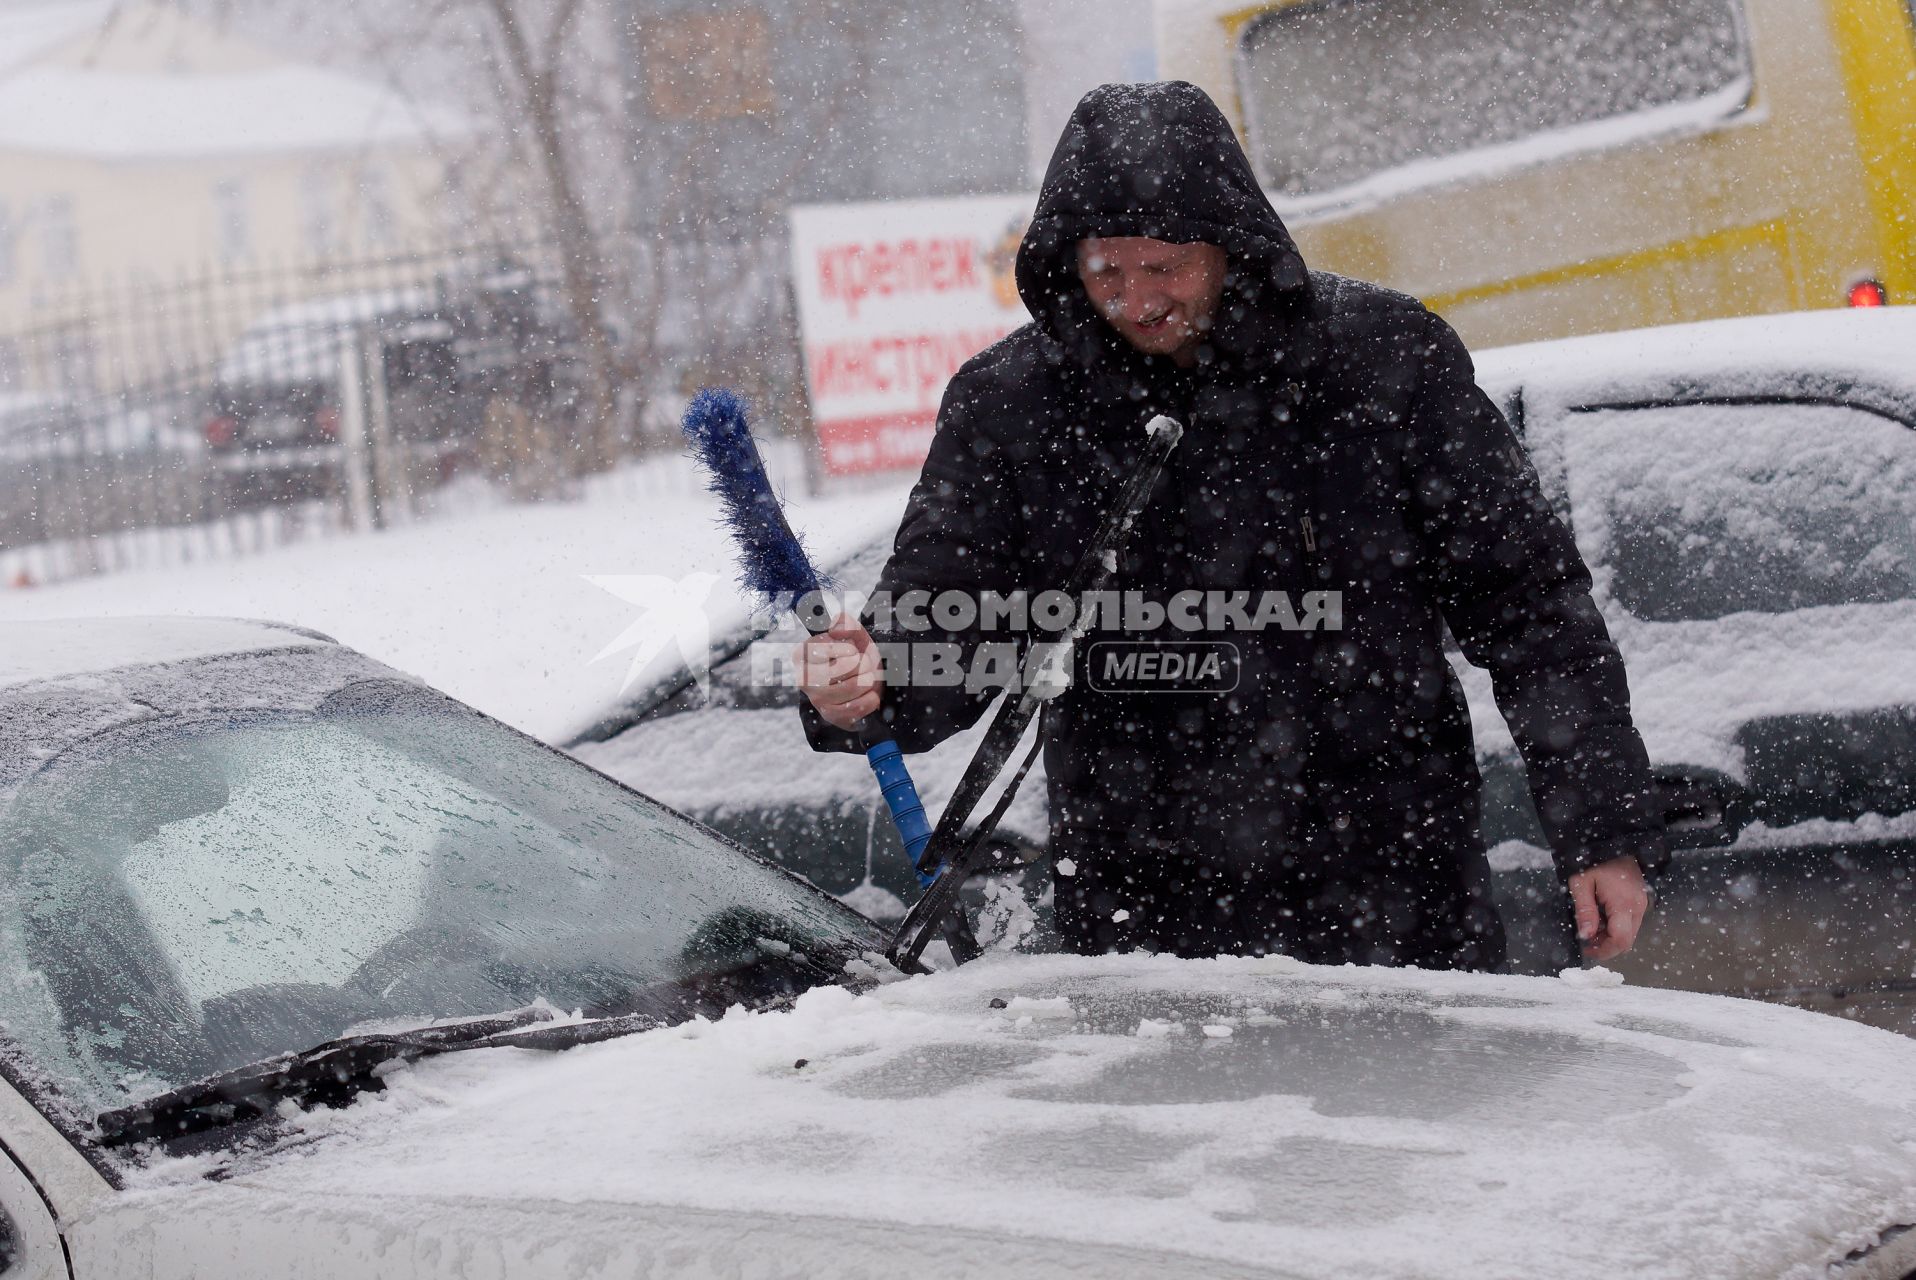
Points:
x=29 y=1241
x=240 y=1233
x=62 y=1176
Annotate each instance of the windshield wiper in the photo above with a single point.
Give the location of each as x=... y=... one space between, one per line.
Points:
x=332 y=1073
x=327 y=1073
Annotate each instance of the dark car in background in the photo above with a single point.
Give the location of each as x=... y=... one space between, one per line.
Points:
x=1744 y=492
x=69 y=461
x=430 y=361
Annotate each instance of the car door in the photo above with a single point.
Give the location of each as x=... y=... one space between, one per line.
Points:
x=30 y=1245
x=1756 y=562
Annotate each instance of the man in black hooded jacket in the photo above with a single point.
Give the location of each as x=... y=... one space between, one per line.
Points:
x=1320 y=799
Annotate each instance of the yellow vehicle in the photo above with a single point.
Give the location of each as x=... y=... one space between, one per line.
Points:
x=1558 y=167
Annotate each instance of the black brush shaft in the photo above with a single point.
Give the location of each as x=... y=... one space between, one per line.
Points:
x=1092 y=572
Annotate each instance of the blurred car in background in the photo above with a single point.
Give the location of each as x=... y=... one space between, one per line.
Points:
x=28 y=417
x=1744 y=492
x=68 y=462
x=294 y=942
x=441 y=355
x=1677 y=161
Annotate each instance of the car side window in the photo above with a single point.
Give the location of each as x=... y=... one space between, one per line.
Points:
x=1692 y=512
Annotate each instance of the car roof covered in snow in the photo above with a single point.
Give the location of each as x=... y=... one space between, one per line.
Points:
x=59 y=648
x=300 y=342
x=1859 y=355
x=66 y=680
x=1134 y=1115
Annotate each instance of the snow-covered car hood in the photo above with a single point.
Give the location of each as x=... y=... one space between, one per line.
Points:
x=1107 y=1116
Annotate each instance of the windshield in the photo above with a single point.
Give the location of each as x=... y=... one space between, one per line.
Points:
x=1700 y=511
x=195 y=894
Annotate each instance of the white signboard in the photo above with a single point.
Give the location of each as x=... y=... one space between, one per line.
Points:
x=893 y=297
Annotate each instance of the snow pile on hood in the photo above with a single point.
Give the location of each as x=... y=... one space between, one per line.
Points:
x=1352 y=1121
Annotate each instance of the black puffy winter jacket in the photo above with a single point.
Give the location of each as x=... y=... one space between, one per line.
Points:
x=1325 y=804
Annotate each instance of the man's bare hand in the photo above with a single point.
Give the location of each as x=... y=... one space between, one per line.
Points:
x=1611 y=901
x=840 y=672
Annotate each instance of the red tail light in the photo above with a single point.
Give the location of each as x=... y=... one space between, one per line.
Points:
x=1868 y=293
x=221 y=431
x=327 y=420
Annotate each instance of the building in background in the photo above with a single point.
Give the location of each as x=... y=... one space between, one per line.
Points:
x=740 y=111
x=1072 y=47
x=140 y=145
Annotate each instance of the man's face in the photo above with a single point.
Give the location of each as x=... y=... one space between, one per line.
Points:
x=1159 y=296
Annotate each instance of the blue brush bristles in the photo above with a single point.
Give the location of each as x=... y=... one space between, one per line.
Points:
x=772 y=561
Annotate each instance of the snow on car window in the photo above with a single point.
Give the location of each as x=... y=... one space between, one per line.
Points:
x=1335 y=93
x=333 y=875
x=1698 y=511
x=196 y=893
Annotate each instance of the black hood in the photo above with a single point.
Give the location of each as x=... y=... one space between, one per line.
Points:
x=1157 y=160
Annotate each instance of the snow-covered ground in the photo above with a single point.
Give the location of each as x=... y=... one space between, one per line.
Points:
x=493 y=607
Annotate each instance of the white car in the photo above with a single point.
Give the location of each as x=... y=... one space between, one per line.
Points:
x=292 y=944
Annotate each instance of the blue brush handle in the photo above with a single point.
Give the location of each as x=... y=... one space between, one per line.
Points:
x=901 y=797
x=894 y=779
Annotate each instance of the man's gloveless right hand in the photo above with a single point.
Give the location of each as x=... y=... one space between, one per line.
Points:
x=1611 y=901
x=841 y=674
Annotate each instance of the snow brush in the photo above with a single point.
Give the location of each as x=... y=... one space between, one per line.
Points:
x=774 y=566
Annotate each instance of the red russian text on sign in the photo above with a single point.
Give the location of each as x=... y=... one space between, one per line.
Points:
x=894 y=297
x=876 y=444
x=919 y=364
x=850 y=273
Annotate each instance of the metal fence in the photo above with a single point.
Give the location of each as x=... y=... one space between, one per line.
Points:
x=147 y=423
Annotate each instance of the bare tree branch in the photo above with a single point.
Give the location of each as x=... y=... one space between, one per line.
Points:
x=562 y=15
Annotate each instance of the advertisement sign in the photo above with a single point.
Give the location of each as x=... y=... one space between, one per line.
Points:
x=893 y=297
